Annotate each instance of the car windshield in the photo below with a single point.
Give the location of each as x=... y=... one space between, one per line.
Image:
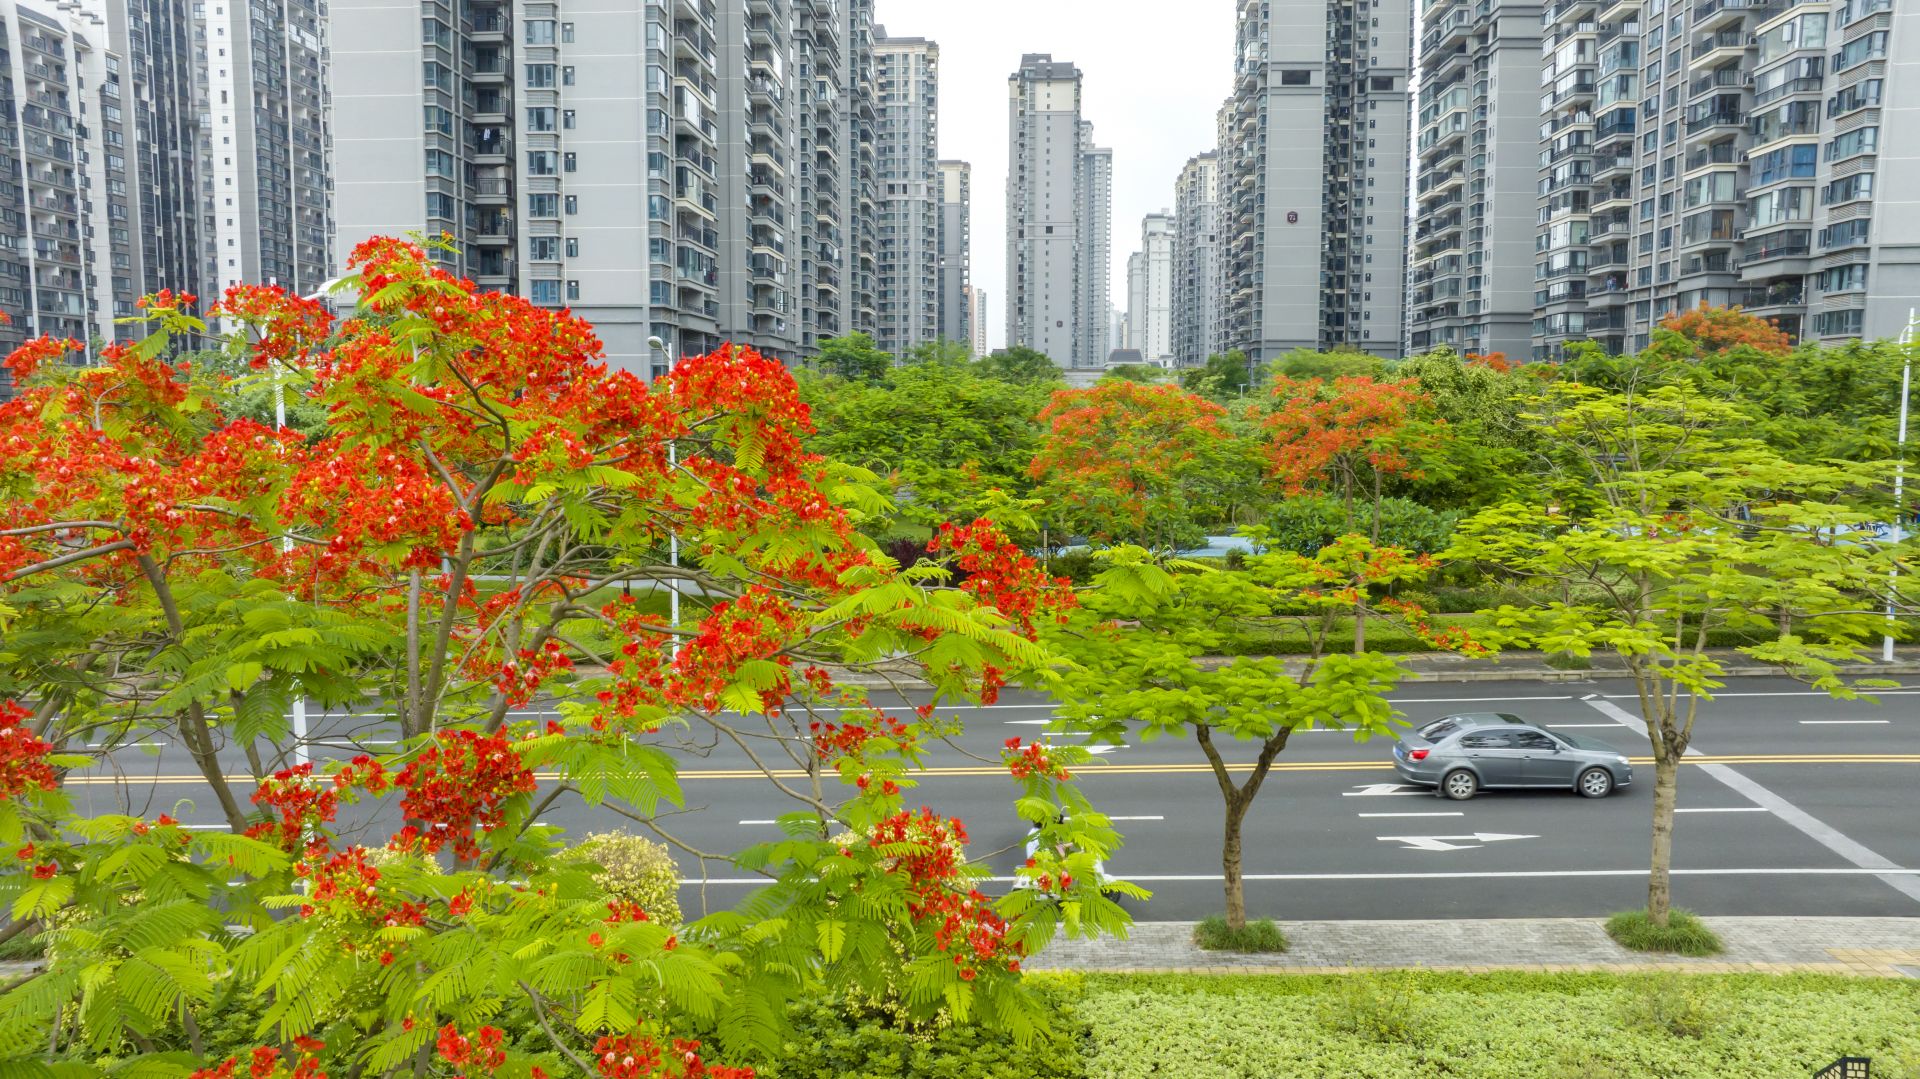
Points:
x=1433 y=732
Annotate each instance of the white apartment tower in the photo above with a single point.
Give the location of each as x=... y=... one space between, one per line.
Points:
x=907 y=156
x=955 y=246
x=1477 y=164
x=1059 y=199
x=1150 y=274
x=1313 y=177
x=1196 y=292
x=977 y=319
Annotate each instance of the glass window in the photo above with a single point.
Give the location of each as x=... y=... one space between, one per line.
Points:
x=1534 y=740
x=544 y=248
x=539 y=31
x=542 y=162
x=543 y=205
x=540 y=119
x=1490 y=739
x=1844 y=278
x=545 y=292
x=1858 y=186
x=1862 y=140
x=1861 y=49
x=540 y=76
x=1433 y=732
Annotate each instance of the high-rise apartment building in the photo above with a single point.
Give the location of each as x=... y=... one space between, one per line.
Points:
x=820 y=207
x=1477 y=165
x=1741 y=154
x=955 y=254
x=1313 y=176
x=1150 y=286
x=910 y=190
x=696 y=170
x=157 y=144
x=1059 y=210
x=1196 y=292
x=1096 y=251
x=977 y=319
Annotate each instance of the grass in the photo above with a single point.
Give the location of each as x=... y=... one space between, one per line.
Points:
x=1507 y=1025
x=1684 y=933
x=1215 y=935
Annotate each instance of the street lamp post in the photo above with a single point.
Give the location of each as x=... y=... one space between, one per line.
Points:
x=1899 y=480
x=673 y=538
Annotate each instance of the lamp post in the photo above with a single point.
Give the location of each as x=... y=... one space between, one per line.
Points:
x=301 y=753
x=673 y=538
x=1899 y=480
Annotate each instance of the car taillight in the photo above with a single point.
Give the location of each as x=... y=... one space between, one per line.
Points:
x=1418 y=754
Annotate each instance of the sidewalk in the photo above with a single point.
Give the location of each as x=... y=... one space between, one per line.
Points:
x=1867 y=947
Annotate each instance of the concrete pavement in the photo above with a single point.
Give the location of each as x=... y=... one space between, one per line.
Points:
x=1871 y=947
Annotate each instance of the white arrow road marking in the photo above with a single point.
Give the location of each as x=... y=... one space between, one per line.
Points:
x=1382 y=790
x=1441 y=842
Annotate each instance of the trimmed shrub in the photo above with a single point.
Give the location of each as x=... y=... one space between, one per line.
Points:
x=1672 y=1004
x=1684 y=933
x=633 y=869
x=1261 y=936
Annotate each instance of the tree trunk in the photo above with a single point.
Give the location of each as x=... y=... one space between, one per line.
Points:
x=1666 y=776
x=1230 y=864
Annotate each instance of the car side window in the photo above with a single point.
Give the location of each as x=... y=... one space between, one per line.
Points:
x=1534 y=740
x=1436 y=731
x=1489 y=740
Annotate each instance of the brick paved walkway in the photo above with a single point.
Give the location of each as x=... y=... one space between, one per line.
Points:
x=1876 y=947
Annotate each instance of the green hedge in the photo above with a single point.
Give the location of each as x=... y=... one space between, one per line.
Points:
x=828 y=1043
x=1493 y=1026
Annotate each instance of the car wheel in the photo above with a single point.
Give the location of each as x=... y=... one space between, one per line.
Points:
x=1595 y=783
x=1459 y=785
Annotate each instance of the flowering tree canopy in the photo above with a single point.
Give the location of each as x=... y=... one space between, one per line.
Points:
x=483 y=521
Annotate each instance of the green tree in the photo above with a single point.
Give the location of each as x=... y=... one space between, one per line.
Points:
x=1136 y=372
x=941 y=352
x=940 y=435
x=1490 y=447
x=852 y=356
x=1146 y=628
x=1677 y=529
x=1224 y=375
x=1019 y=364
x=1306 y=363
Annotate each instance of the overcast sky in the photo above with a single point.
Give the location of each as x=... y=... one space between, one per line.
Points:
x=1154 y=78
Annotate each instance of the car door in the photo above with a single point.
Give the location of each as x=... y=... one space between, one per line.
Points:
x=1493 y=755
x=1548 y=763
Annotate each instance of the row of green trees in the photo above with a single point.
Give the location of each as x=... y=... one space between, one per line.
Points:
x=1722 y=487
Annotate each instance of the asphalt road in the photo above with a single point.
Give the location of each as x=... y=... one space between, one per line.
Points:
x=1794 y=804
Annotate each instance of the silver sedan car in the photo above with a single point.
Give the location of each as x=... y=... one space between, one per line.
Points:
x=1460 y=755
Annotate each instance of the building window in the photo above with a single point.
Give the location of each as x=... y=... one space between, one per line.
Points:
x=542 y=162
x=1382 y=82
x=573 y=247
x=546 y=293
x=539 y=31
x=543 y=205
x=566 y=119
x=566 y=76
x=1296 y=77
x=571 y=161
x=540 y=119
x=573 y=205
x=573 y=290
x=1839 y=323
x=540 y=76
x=566 y=33
x=544 y=248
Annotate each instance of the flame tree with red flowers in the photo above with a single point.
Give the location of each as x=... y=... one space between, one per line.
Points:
x=1126 y=462
x=482 y=521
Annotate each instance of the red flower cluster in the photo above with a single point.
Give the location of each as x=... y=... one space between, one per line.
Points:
x=756 y=626
x=479 y=1054
x=301 y=805
x=345 y=885
x=263 y=1062
x=26 y=359
x=286 y=327
x=834 y=741
x=1001 y=575
x=964 y=924
x=461 y=783
x=1032 y=761
x=637 y=1056
x=519 y=681
x=23 y=755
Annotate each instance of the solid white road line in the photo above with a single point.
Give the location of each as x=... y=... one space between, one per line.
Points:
x=1434 y=813
x=127 y=745
x=1559 y=726
x=1720 y=809
x=1819 y=831
x=1841 y=722
x=1472 y=700
x=759 y=822
x=1136 y=818
x=1520 y=874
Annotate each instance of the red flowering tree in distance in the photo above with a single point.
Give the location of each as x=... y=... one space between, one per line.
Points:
x=482 y=521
